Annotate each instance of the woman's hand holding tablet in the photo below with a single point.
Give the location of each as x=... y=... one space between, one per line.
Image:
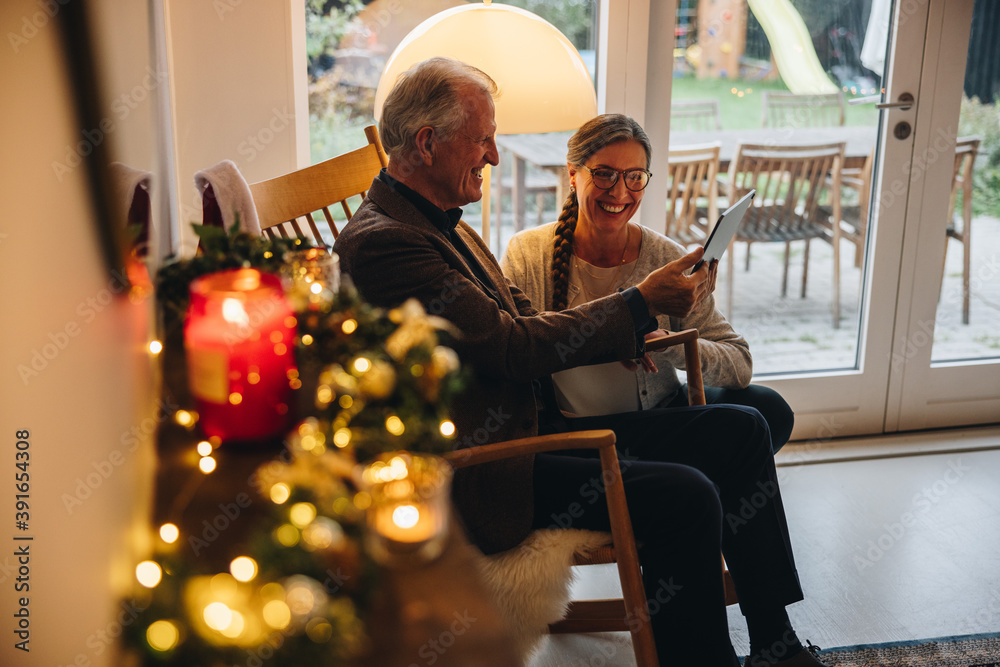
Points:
x=724 y=230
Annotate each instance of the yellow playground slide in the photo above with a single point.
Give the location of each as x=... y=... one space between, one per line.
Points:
x=792 y=48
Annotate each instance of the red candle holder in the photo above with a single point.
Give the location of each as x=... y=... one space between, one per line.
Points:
x=239 y=337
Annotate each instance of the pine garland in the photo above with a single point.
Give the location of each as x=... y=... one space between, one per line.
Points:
x=374 y=381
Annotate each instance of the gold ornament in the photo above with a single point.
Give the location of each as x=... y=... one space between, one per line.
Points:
x=378 y=381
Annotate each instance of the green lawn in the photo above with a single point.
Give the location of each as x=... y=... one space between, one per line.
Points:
x=336 y=134
x=743 y=112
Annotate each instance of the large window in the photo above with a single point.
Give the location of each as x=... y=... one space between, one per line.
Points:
x=349 y=42
x=862 y=365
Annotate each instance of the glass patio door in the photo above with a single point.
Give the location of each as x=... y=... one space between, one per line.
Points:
x=840 y=385
x=918 y=364
x=870 y=370
x=945 y=362
x=832 y=365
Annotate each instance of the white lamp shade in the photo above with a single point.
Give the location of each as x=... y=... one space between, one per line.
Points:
x=544 y=84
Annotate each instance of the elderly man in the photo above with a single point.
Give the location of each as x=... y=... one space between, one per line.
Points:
x=690 y=473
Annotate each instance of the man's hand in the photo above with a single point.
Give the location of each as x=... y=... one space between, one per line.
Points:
x=668 y=291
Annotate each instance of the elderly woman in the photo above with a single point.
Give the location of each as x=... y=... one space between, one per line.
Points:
x=594 y=250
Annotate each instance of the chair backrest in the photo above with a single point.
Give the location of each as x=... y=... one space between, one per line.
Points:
x=966 y=149
x=283 y=202
x=789 y=181
x=783 y=109
x=694 y=115
x=865 y=192
x=692 y=173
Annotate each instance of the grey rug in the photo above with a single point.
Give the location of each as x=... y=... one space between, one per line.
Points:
x=963 y=651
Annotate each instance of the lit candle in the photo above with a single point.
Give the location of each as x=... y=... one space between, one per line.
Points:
x=406 y=522
x=239 y=337
x=408 y=515
x=311 y=278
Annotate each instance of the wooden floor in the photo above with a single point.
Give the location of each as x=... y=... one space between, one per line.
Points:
x=887 y=549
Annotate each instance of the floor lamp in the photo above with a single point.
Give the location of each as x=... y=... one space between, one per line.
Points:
x=544 y=84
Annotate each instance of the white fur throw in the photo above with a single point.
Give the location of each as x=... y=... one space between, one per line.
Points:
x=233 y=194
x=529 y=584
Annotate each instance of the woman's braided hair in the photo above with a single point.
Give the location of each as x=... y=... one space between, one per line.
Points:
x=594 y=135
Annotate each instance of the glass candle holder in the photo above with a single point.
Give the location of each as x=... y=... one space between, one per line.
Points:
x=311 y=278
x=410 y=501
x=239 y=337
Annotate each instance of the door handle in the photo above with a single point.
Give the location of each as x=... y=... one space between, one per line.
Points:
x=905 y=102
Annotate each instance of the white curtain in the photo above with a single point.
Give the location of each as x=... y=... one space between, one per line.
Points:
x=877 y=36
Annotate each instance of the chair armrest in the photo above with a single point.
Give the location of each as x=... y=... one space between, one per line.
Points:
x=671 y=339
x=540 y=443
x=692 y=362
x=626 y=552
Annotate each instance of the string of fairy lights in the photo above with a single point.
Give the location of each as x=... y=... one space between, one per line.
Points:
x=359 y=489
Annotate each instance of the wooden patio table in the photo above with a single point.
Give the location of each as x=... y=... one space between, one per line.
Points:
x=548 y=151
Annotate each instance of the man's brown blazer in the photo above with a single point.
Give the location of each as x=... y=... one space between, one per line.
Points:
x=392 y=252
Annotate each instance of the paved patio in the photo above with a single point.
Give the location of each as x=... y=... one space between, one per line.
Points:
x=795 y=335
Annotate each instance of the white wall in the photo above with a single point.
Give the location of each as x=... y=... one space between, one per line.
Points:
x=636 y=59
x=74 y=372
x=238 y=80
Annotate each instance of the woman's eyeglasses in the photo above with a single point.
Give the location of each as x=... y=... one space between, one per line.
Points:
x=605 y=178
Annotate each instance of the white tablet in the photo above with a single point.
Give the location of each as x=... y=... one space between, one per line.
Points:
x=725 y=230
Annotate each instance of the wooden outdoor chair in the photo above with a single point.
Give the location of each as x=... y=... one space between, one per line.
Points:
x=286 y=201
x=692 y=198
x=694 y=115
x=790 y=182
x=784 y=109
x=624 y=614
x=966 y=149
x=853 y=216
